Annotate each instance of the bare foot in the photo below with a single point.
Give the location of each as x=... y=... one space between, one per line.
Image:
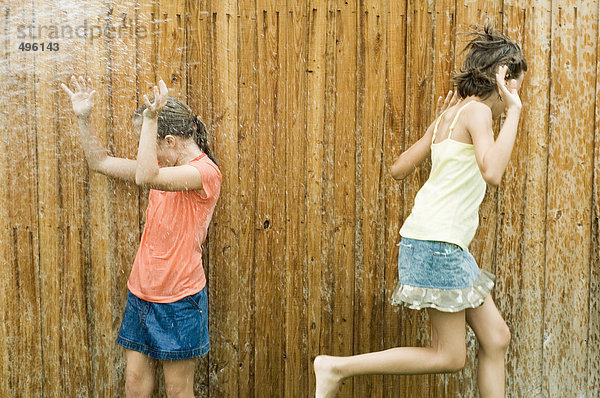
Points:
x=328 y=380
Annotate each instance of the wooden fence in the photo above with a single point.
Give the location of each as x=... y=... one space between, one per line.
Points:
x=309 y=102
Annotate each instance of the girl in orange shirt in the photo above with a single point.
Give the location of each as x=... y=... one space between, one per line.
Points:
x=166 y=317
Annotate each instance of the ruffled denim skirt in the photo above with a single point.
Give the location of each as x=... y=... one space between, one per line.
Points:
x=439 y=275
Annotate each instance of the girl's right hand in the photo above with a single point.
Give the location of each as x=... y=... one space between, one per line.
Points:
x=83 y=97
x=450 y=100
x=161 y=95
x=510 y=94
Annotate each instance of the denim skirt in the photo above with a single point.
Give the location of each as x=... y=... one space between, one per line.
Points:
x=440 y=275
x=168 y=331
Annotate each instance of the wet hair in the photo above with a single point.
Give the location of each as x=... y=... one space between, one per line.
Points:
x=487 y=50
x=178 y=119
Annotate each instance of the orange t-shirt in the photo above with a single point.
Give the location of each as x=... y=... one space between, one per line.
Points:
x=168 y=264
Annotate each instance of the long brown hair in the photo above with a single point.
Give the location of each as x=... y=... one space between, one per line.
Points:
x=178 y=119
x=487 y=50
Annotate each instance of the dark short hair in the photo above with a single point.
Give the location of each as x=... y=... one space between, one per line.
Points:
x=487 y=50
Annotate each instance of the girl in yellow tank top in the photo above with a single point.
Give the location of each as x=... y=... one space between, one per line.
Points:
x=435 y=269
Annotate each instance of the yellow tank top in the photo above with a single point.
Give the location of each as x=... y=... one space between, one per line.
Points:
x=447 y=206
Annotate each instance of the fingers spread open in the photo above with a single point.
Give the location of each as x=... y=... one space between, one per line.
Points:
x=75 y=83
x=454 y=99
x=438 y=105
x=66 y=89
x=82 y=83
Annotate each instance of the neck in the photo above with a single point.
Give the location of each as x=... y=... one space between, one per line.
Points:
x=489 y=101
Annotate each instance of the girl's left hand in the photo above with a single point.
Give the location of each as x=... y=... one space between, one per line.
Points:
x=161 y=94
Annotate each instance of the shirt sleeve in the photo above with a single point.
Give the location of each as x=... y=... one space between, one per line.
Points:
x=211 y=178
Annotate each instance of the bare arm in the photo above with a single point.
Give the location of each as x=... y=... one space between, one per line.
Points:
x=408 y=161
x=148 y=173
x=493 y=156
x=95 y=153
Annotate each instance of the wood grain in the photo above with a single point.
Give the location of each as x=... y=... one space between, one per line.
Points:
x=307 y=104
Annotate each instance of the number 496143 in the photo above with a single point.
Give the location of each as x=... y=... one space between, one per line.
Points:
x=50 y=46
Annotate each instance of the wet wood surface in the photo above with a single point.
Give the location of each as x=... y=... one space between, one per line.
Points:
x=308 y=103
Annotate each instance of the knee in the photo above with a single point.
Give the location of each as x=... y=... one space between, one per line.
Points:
x=138 y=385
x=178 y=390
x=455 y=363
x=503 y=337
x=497 y=340
x=451 y=361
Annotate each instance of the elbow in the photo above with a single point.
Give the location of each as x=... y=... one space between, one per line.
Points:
x=398 y=173
x=95 y=165
x=144 y=179
x=492 y=178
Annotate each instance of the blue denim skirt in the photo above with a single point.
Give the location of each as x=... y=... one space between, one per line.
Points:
x=440 y=275
x=168 y=331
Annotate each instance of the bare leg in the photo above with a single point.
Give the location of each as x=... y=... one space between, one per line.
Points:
x=493 y=336
x=139 y=375
x=179 y=378
x=446 y=354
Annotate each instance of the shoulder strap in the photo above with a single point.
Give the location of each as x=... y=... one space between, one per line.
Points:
x=437 y=122
x=456 y=118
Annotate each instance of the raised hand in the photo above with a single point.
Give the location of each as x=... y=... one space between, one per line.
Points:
x=508 y=90
x=161 y=94
x=83 y=97
x=450 y=100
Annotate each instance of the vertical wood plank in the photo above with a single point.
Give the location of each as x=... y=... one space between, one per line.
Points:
x=270 y=228
x=521 y=275
x=71 y=266
x=123 y=51
x=484 y=246
x=594 y=307
x=415 y=330
x=319 y=21
x=224 y=247
x=171 y=45
x=97 y=216
x=512 y=207
x=7 y=278
x=369 y=293
x=393 y=146
x=342 y=285
x=569 y=222
x=81 y=284
x=198 y=62
x=248 y=104
x=444 y=30
x=327 y=333
x=22 y=197
x=48 y=99
x=295 y=366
